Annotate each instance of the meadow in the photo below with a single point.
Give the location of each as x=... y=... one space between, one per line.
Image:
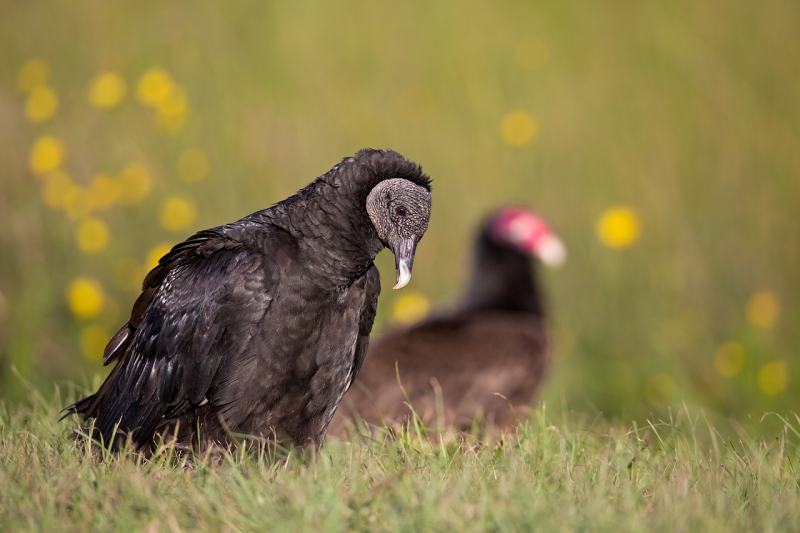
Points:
x=574 y=473
x=661 y=141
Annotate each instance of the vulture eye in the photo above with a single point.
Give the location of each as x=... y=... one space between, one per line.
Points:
x=400 y=210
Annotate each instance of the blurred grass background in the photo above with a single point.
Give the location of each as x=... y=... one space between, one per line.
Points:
x=659 y=139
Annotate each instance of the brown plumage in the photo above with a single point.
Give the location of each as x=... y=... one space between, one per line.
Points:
x=490 y=354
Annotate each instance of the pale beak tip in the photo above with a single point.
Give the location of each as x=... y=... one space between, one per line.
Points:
x=403 y=275
x=552 y=252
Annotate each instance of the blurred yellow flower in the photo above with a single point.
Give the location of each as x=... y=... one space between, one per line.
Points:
x=92 y=236
x=42 y=102
x=85 y=297
x=156 y=253
x=157 y=89
x=174 y=105
x=128 y=274
x=154 y=87
x=104 y=192
x=34 y=72
x=773 y=377
x=763 y=309
x=531 y=53
x=58 y=190
x=177 y=213
x=729 y=359
x=171 y=113
x=518 y=128
x=46 y=155
x=79 y=207
x=93 y=340
x=107 y=90
x=660 y=388
x=135 y=183
x=192 y=165
x=409 y=307
x=618 y=227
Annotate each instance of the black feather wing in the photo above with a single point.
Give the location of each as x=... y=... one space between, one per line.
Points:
x=373 y=290
x=198 y=309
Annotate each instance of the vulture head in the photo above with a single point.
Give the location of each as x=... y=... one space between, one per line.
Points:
x=527 y=233
x=399 y=210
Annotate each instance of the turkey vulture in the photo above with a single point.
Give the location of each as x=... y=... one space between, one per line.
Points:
x=257 y=328
x=491 y=352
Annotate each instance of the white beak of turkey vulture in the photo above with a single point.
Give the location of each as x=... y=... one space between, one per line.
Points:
x=551 y=251
x=529 y=234
x=404 y=252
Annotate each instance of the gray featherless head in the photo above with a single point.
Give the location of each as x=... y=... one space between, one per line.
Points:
x=400 y=211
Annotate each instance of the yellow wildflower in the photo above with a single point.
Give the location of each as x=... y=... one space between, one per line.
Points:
x=177 y=213
x=518 y=129
x=92 y=236
x=42 y=102
x=93 y=340
x=85 y=297
x=192 y=165
x=171 y=112
x=660 y=388
x=531 y=53
x=154 y=87
x=773 y=377
x=618 y=227
x=34 y=72
x=729 y=359
x=46 y=155
x=763 y=309
x=174 y=105
x=104 y=192
x=58 y=190
x=107 y=90
x=410 y=307
x=135 y=183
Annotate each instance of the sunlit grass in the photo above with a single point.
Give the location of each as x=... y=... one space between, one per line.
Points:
x=571 y=473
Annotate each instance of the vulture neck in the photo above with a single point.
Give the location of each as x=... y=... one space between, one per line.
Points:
x=502 y=280
x=329 y=221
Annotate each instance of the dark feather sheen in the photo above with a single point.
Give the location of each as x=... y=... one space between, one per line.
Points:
x=256 y=327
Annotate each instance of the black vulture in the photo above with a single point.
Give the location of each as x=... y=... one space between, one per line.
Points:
x=257 y=328
x=478 y=361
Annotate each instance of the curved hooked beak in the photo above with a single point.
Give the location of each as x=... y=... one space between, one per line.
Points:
x=404 y=250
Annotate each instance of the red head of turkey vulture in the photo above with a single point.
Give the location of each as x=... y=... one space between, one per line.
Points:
x=495 y=343
x=259 y=327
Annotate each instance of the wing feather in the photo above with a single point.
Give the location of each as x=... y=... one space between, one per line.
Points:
x=373 y=290
x=198 y=307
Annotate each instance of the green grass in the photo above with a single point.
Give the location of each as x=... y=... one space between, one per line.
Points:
x=572 y=473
